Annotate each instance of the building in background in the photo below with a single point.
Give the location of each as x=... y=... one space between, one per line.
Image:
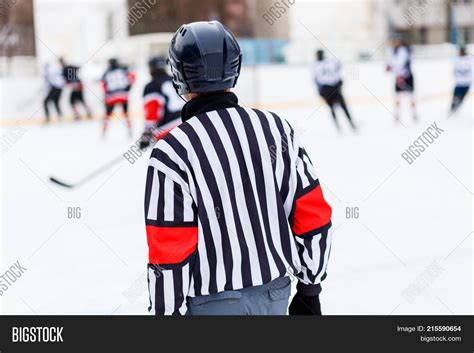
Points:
x=44 y=30
x=17 y=32
x=78 y=29
x=354 y=30
x=346 y=29
x=33 y=32
x=260 y=25
x=160 y=16
x=432 y=21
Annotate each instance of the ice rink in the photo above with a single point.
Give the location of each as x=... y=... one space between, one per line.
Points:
x=402 y=241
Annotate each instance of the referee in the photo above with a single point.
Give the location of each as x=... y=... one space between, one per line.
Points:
x=233 y=206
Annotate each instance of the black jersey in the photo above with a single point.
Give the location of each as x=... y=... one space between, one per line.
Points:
x=161 y=102
x=71 y=76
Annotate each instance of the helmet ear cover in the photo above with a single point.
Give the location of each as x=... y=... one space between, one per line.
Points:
x=238 y=70
x=178 y=77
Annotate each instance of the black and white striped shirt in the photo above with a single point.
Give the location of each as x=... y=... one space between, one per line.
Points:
x=232 y=201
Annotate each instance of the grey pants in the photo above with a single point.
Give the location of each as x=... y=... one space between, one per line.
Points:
x=268 y=299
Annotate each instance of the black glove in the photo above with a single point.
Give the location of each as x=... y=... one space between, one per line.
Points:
x=144 y=143
x=145 y=140
x=306 y=300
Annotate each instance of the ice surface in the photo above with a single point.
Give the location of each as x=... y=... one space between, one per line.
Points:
x=409 y=252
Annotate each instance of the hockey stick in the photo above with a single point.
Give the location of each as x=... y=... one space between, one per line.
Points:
x=163 y=130
x=90 y=176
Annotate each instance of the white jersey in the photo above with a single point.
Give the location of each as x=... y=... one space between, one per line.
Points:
x=463 y=70
x=53 y=76
x=400 y=61
x=327 y=72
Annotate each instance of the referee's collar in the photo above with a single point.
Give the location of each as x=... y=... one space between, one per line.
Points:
x=207 y=103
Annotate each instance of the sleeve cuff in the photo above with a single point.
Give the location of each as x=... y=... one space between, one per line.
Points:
x=309 y=290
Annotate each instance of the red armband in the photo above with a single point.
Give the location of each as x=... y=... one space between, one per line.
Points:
x=311 y=212
x=170 y=245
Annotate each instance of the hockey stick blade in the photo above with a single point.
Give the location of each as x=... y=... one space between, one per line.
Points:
x=89 y=176
x=59 y=182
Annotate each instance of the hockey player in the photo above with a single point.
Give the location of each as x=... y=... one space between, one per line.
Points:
x=233 y=206
x=54 y=78
x=463 y=78
x=71 y=76
x=400 y=65
x=327 y=76
x=116 y=82
x=162 y=105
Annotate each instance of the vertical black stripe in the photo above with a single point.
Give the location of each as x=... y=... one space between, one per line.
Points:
x=323 y=277
x=209 y=244
x=285 y=236
x=285 y=182
x=249 y=197
x=148 y=188
x=300 y=248
x=292 y=134
x=307 y=156
x=299 y=187
x=195 y=212
x=178 y=289
x=178 y=203
x=161 y=196
x=196 y=274
x=210 y=178
x=301 y=154
x=308 y=245
x=149 y=289
x=159 y=294
x=224 y=160
x=322 y=250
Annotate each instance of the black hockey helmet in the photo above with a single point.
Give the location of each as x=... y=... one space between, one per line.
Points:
x=396 y=38
x=319 y=54
x=204 y=57
x=157 y=62
x=113 y=63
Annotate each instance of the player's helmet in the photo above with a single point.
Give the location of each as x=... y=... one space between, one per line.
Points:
x=320 y=54
x=157 y=63
x=396 y=38
x=204 y=57
x=113 y=63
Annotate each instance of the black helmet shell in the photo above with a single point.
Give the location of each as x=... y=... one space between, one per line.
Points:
x=204 y=57
x=157 y=62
